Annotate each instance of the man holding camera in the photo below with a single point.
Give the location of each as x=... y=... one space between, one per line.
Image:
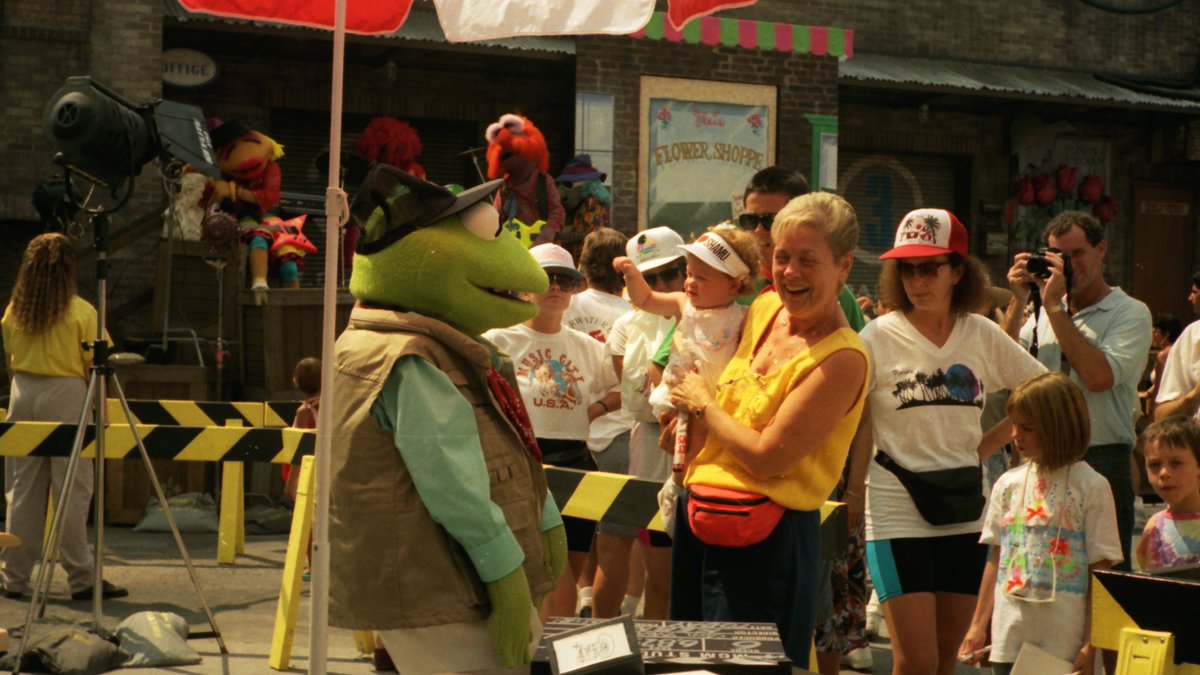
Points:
x=1095 y=333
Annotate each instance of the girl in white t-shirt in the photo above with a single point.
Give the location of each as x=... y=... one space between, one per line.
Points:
x=1050 y=521
x=722 y=265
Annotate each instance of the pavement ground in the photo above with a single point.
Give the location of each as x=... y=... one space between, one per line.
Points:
x=243 y=598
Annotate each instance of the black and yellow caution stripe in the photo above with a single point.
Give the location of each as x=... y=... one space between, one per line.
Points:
x=169 y=442
x=633 y=502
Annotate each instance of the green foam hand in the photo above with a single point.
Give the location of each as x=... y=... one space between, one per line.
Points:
x=508 y=623
x=554 y=542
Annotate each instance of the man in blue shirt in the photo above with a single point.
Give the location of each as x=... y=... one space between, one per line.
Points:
x=1096 y=334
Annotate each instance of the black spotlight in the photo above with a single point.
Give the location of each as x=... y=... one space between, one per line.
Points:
x=100 y=135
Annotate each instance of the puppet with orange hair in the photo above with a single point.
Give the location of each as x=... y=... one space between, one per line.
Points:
x=386 y=140
x=528 y=201
x=249 y=192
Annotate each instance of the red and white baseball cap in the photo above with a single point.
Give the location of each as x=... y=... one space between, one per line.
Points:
x=928 y=232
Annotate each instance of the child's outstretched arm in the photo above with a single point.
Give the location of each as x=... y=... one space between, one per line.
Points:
x=972 y=649
x=644 y=297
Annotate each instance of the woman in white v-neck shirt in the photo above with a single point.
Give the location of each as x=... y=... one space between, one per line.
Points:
x=933 y=363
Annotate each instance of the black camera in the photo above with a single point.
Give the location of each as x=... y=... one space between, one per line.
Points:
x=1038 y=266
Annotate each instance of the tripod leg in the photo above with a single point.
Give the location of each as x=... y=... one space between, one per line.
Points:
x=51 y=544
x=162 y=500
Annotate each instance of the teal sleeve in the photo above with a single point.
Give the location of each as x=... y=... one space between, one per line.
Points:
x=663 y=355
x=551 y=517
x=434 y=430
x=851 y=309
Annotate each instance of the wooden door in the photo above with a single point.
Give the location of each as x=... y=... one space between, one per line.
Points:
x=1162 y=249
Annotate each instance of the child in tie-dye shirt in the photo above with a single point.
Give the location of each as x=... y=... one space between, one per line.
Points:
x=1048 y=522
x=1172 y=537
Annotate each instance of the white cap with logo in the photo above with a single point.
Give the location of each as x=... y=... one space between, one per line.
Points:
x=712 y=249
x=653 y=248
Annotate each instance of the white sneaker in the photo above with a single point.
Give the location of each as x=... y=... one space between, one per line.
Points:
x=858 y=659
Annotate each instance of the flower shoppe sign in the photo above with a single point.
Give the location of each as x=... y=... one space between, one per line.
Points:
x=701 y=144
x=1074 y=178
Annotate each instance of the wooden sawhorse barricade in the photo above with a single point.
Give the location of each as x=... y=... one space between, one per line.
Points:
x=196 y=431
x=1150 y=621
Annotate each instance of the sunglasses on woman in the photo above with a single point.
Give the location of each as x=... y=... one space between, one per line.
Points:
x=927 y=270
x=565 y=282
x=749 y=221
x=667 y=276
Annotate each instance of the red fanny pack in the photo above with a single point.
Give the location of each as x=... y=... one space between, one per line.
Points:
x=731 y=518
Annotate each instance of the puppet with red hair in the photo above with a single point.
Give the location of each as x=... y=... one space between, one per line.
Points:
x=528 y=201
x=386 y=140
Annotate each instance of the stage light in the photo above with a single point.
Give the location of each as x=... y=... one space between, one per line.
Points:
x=100 y=135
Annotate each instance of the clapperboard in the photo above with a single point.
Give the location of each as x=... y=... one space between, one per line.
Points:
x=676 y=646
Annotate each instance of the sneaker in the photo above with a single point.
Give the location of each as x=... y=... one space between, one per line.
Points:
x=585 y=612
x=108 y=590
x=858 y=659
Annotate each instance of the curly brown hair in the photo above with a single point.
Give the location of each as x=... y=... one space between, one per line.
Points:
x=970 y=293
x=45 y=283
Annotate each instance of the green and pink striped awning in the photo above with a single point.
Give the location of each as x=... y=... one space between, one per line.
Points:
x=782 y=37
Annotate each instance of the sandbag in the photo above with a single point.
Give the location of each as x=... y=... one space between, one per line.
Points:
x=66 y=651
x=156 y=639
x=193 y=511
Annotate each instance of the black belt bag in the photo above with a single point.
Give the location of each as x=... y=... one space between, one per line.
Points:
x=943 y=497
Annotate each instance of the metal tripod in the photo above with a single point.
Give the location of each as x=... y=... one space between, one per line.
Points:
x=97 y=401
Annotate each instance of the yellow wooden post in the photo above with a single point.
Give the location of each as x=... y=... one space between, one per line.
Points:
x=293 y=570
x=231 y=530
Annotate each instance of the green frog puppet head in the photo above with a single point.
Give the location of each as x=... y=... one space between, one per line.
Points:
x=428 y=250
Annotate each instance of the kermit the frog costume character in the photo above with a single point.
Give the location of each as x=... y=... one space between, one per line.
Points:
x=442 y=534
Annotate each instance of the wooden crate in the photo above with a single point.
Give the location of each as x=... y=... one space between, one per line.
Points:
x=127 y=485
x=280 y=332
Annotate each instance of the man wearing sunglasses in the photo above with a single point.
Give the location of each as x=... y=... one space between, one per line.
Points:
x=766 y=194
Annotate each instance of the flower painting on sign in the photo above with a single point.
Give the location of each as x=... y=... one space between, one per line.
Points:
x=699 y=154
x=1074 y=178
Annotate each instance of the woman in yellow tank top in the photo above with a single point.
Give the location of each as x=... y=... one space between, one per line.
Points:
x=774 y=435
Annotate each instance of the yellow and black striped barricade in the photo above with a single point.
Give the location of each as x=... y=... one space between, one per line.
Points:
x=231 y=445
x=1150 y=621
x=231 y=536
x=633 y=502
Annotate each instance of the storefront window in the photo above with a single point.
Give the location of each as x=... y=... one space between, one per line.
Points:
x=594 y=129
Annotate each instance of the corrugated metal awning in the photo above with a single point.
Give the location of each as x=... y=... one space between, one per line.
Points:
x=421 y=26
x=1008 y=81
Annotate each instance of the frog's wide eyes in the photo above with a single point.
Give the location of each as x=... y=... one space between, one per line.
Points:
x=482 y=220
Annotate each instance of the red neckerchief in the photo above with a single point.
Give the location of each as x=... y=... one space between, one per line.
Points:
x=514 y=410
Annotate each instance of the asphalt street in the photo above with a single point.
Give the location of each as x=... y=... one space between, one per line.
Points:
x=243 y=598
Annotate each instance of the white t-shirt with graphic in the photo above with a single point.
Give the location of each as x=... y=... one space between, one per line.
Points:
x=594 y=312
x=559 y=375
x=926 y=403
x=1050 y=526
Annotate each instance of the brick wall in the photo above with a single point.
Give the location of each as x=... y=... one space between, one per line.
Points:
x=805 y=84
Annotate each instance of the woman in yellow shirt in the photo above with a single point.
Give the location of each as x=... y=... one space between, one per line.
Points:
x=774 y=437
x=45 y=327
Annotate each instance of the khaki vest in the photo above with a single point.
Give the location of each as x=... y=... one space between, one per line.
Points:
x=391 y=565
